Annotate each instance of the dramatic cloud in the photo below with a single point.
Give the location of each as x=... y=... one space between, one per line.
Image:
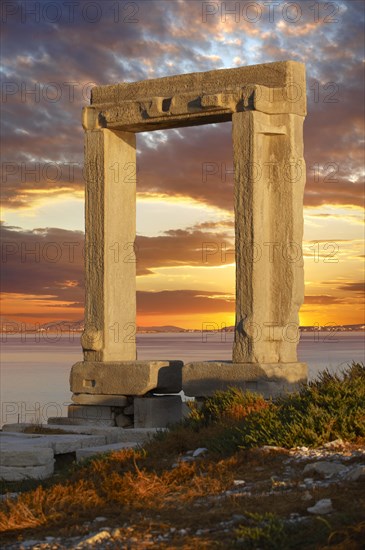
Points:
x=44 y=263
x=49 y=264
x=48 y=74
x=183 y=302
x=354 y=287
x=51 y=60
x=182 y=247
x=46 y=266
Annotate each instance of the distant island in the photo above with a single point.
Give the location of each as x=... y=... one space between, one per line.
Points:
x=10 y=326
x=304 y=328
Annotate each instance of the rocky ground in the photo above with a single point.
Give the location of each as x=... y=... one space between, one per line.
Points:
x=311 y=492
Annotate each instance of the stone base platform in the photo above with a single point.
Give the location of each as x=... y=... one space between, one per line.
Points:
x=126 y=377
x=202 y=379
x=152 y=411
x=32 y=456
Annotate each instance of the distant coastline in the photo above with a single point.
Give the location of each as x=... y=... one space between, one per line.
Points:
x=8 y=326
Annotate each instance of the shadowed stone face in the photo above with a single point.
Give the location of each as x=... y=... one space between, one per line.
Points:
x=267 y=105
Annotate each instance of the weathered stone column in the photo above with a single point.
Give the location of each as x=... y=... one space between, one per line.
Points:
x=269 y=186
x=110 y=365
x=110 y=308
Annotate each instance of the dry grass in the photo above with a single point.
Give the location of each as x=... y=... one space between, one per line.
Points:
x=48 y=506
x=135 y=487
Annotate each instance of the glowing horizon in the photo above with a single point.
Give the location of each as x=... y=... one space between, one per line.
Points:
x=180 y=206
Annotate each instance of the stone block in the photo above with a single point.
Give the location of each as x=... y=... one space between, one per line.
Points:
x=102 y=400
x=65 y=422
x=123 y=421
x=157 y=412
x=19 y=473
x=273 y=74
x=10 y=439
x=17 y=455
x=62 y=444
x=93 y=440
x=90 y=412
x=16 y=428
x=356 y=473
x=325 y=468
x=202 y=379
x=36 y=449
x=25 y=456
x=190 y=99
x=110 y=434
x=126 y=377
x=323 y=506
x=115 y=434
x=129 y=409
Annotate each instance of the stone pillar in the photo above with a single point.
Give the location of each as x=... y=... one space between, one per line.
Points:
x=110 y=365
x=269 y=186
x=110 y=308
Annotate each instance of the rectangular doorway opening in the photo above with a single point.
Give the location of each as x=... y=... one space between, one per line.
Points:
x=185 y=244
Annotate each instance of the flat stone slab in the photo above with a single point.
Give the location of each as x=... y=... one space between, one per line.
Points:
x=31 y=456
x=126 y=377
x=102 y=400
x=111 y=434
x=16 y=442
x=25 y=457
x=115 y=435
x=19 y=473
x=18 y=429
x=64 y=422
x=71 y=443
x=67 y=443
x=81 y=454
x=57 y=443
x=28 y=455
x=202 y=379
x=91 y=412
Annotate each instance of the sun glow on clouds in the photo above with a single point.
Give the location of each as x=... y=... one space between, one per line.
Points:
x=32 y=307
x=334 y=221
x=284 y=27
x=65 y=210
x=325 y=258
x=212 y=278
x=157 y=213
x=171 y=39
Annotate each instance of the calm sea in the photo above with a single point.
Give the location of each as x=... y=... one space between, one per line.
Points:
x=34 y=377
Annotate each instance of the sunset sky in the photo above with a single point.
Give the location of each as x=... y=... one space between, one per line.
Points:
x=52 y=57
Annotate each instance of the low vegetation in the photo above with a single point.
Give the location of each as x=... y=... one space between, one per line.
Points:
x=331 y=407
x=149 y=490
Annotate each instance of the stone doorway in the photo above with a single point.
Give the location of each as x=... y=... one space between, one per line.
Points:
x=267 y=106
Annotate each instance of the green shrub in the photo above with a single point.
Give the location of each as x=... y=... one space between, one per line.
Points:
x=264 y=531
x=232 y=404
x=328 y=408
